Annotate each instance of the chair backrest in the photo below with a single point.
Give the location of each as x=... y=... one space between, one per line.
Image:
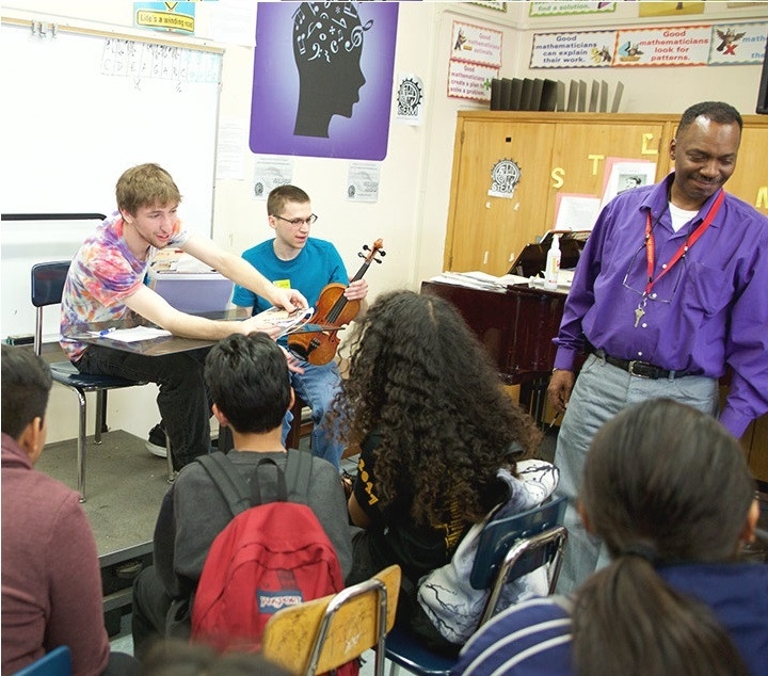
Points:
x=512 y=547
x=47 y=288
x=321 y=635
x=48 y=282
x=499 y=535
x=58 y=662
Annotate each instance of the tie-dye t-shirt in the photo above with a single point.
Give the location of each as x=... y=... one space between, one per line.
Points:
x=103 y=273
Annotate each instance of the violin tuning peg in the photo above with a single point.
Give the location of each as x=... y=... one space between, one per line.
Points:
x=360 y=254
x=382 y=252
x=366 y=247
x=378 y=260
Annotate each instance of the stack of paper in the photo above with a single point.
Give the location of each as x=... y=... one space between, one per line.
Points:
x=287 y=321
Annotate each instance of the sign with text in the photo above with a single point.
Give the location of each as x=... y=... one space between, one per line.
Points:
x=470 y=80
x=676 y=46
x=701 y=45
x=475 y=44
x=740 y=43
x=579 y=49
x=569 y=7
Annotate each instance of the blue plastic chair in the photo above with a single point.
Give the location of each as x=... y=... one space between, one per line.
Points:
x=58 y=662
x=47 y=288
x=508 y=549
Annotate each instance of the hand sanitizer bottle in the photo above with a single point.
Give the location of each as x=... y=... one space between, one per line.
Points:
x=553 y=264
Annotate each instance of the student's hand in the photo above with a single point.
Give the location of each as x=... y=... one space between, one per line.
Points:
x=356 y=290
x=293 y=362
x=289 y=299
x=559 y=390
x=255 y=325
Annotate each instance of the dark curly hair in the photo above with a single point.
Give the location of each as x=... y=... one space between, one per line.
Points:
x=420 y=379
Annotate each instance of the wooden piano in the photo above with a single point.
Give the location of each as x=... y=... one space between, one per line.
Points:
x=517 y=325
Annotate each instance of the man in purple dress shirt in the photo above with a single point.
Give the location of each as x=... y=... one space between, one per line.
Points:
x=671 y=290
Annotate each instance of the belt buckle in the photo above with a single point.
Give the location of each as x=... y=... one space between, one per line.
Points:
x=631 y=370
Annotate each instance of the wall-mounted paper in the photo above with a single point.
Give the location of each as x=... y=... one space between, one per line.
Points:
x=622 y=175
x=269 y=173
x=576 y=212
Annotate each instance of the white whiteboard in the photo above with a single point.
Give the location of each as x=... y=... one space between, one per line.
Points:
x=78 y=110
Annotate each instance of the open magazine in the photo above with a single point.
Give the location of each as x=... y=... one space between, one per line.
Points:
x=287 y=321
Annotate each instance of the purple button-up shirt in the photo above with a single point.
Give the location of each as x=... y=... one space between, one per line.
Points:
x=710 y=310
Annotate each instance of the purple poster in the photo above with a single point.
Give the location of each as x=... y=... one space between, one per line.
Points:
x=322 y=79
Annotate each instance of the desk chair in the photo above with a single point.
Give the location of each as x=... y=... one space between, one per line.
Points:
x=58 y=662
x=508 y=549
x=302 y=424
x=47 y=287
x=321 y=635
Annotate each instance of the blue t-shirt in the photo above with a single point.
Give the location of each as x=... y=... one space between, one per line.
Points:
x=317 y=265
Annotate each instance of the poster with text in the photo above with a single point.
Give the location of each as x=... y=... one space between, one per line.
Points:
x=470 y=80
x=737 y=43
x=476 y=44
x=579 y=49
x=322 y=79
x=569 y=7
x=663 y=46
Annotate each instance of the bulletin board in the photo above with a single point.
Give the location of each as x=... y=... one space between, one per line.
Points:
x=79 y=107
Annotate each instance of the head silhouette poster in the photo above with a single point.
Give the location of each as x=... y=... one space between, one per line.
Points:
x=322 y=79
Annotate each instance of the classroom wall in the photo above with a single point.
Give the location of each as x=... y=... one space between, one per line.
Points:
x=412 y=210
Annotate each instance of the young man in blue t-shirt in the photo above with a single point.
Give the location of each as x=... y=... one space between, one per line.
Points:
x=297 y=261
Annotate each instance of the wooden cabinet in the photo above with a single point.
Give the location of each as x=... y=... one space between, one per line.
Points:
x=566 y=153
x=492 y=228
x=558 y=153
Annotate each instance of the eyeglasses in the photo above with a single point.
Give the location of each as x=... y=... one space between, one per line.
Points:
x=296 y=222
x=654 y=295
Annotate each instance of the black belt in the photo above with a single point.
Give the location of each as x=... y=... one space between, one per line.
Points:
x=642 y=369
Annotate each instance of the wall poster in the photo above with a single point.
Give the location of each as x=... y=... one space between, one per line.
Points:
x=322 y=79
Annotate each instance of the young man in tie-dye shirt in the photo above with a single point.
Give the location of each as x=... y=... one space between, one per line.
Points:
x=106 y=282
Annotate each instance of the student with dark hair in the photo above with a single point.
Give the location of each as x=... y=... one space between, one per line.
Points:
x=247 y=377
x=668 y=490
x=669 y=293
x=437 y=434
x=50 y=568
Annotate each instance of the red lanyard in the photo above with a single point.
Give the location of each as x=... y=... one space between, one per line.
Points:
x=650 y=246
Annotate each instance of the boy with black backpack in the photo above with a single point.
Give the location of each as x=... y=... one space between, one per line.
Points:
x=247 y=378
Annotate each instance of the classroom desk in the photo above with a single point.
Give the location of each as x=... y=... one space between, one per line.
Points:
x=154 y=347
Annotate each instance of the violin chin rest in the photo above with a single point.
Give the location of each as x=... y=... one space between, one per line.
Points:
x=299 y=351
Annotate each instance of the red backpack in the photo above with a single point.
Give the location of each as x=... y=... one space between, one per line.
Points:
x=268 y=557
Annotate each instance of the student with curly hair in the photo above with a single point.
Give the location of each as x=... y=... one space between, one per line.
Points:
x=668 y=490
x=434 y=426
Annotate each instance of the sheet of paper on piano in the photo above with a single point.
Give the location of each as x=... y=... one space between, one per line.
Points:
x=478 y=280
x=482 y=280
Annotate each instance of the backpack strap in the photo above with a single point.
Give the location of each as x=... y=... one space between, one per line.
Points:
x=298 y=468
x=282 y=492
x=228 y=480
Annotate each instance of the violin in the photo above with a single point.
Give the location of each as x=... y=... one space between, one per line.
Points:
x=333 y=311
